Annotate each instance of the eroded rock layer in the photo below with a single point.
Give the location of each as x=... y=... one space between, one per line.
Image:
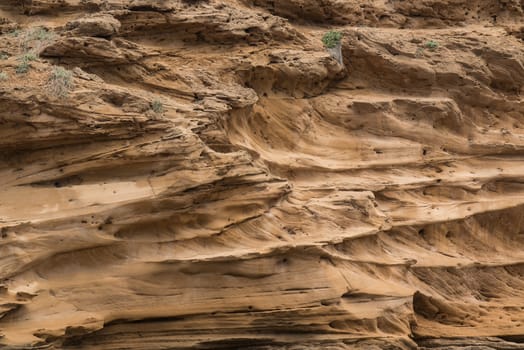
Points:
x=212 y=178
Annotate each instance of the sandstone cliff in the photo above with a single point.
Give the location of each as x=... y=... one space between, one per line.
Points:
x=207 y=176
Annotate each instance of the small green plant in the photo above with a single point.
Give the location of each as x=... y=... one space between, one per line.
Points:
x=3 y=76
x=15 y=33
x=60 y=82
x=157 y=106
x=41 y=34
x=29 y=57
x=35 y=39
x=331 y=39
x=432 y=45
x=24 y=65
x=4 y=56
x=22 y=68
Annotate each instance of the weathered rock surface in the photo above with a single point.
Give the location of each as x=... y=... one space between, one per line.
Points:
x=216 y=180
x=103 y=25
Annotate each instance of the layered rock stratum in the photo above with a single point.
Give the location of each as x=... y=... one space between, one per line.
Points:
x=214 y=179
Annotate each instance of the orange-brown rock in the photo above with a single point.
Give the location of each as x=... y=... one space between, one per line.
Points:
x=213 y=179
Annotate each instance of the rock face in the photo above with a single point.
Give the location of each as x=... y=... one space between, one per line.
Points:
x=99 y=25
x=214 y=179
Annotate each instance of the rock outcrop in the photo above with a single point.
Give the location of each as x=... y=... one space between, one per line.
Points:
x=213 y=179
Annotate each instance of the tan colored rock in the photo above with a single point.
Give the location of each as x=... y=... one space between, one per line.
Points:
x=7 y=26
x=214 y=179
x=103 y=25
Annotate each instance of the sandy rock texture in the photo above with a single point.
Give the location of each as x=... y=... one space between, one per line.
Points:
x=211 y=178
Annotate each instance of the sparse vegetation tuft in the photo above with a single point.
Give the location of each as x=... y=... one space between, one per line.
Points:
x=41 y=34
x=15 y=33
x=29 y=57
x=60 y=82
x=3 y=76
x=331 y=39
x=157 y=106
x=24 y=65
x=34 y=39
x=431 y=45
